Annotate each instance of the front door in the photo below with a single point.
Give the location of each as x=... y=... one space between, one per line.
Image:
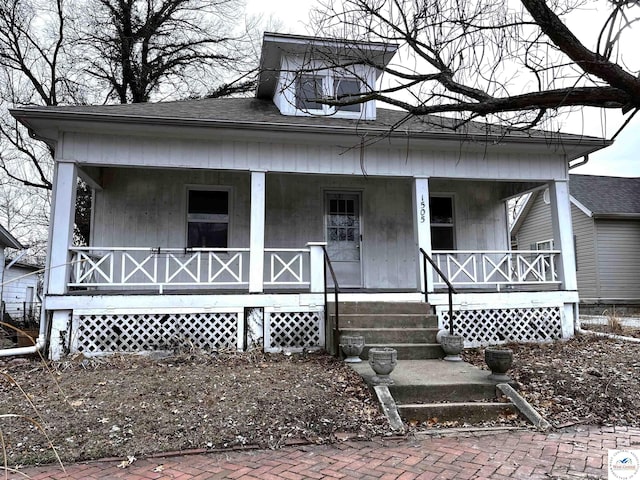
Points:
x=342 y=220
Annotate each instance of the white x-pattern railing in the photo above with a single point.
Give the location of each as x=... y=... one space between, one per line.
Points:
x=498 y=267
x=163 y=267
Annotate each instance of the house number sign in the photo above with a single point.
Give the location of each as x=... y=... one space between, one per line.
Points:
x=423 y=210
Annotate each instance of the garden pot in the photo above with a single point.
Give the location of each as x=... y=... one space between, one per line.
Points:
x=499 y=361
x=452 y=346
x=352 y=346
x=382 y=361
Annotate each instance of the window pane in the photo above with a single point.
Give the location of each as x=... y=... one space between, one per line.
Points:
x=343 y=88
x=442 y=238
x=441 y=209
x=207 y=235
x=308 y=88
x=209 y=201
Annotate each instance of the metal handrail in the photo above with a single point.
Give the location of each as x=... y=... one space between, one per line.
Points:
x=336 y=291
x=425 y=258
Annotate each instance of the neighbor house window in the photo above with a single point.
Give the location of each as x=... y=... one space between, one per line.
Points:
x=208 y=219
x=442 y=225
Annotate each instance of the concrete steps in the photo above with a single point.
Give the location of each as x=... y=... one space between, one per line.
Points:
x=409 y=327
x=441 y=391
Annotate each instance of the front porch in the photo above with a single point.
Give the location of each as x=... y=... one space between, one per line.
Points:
x=268 y=284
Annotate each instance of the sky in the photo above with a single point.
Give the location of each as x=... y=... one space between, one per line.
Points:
x=620 y=159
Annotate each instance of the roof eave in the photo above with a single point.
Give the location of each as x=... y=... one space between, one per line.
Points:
x=583 y=146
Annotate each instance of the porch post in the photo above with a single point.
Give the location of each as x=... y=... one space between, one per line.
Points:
x=422 y=228
x=256 y=253
x=62 y=220
x=563 y=233
x=316 y=266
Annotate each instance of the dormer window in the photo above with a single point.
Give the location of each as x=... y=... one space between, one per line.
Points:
x=310 y=88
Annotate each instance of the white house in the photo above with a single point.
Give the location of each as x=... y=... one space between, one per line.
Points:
x=210 y=213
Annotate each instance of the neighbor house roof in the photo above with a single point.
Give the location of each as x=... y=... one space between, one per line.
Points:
x=8 y=240
x=606 y=196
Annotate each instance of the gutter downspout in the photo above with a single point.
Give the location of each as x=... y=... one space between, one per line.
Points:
x=582 y=162
x=578 y=329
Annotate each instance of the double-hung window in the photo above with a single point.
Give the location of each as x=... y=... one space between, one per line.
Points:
x=208 y=218
x=311 y=88
x=442 y=224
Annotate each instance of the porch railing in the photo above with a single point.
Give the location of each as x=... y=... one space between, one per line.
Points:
x=94 y=267
x=451 y=290
x=497 y=267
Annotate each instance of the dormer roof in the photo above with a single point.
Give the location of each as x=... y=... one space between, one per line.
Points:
x=335 y=52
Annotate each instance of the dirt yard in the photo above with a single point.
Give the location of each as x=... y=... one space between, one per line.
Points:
x=133 y=406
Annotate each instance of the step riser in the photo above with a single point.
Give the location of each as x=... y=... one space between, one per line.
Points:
x=394 y=336
x=386 y=321
x=381 y=307
x=470 y=413
x=467 y=392
x=409 y=352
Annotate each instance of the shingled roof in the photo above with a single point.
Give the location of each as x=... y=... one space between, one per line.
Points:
x=254 y=111
x=606 y=195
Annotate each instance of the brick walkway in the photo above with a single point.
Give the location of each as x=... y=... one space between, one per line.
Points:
x=575 y=454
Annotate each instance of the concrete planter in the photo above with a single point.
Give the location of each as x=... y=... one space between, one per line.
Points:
x=352 y=346
x=499 y=360
x=452 y=346
x=382 y=361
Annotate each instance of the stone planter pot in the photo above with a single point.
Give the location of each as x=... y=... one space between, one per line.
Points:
x=382 y=361
x=352 y=346
x=499 y=361
x=452 y=346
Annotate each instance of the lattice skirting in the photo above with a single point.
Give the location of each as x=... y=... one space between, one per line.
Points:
x=293 y=331
x=491 y=326
x=137 y=332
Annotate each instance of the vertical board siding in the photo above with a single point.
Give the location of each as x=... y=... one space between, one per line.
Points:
x=324 y=154
x=147 y=208
x=619 y=258
x=587 y=271
x=480 y=217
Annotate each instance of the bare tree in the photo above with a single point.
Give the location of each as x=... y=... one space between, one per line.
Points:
x=514 y=61
x=174 y=48
x=57 y=52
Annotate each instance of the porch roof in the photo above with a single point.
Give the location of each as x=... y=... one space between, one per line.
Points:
x=257 y=114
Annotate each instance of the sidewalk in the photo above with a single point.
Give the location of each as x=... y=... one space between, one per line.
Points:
x=579 y=453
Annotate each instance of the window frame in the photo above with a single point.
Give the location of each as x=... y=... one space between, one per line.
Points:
x=451 y=225
x=209 y=188
x=329 y=82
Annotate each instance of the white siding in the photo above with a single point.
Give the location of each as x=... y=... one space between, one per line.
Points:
x=14 y=291
x=618 y=244
x=329 y=154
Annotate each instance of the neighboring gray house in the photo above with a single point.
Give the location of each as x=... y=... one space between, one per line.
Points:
x=606 y=225
x=20 y=292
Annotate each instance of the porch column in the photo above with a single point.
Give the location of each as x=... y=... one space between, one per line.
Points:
x=316 y=266
x=61 y=229
x=256 y=253
x=422 y=228
x=563 y=233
